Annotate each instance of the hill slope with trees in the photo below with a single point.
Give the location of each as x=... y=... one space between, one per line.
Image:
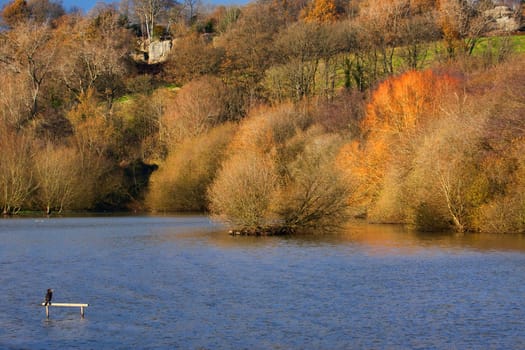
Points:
x=276 y=116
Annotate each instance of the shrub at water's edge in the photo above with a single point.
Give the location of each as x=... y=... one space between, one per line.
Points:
x=280 y=177
x=456 y=165
x=182 y=179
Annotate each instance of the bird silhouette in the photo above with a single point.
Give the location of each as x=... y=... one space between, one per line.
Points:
x=49 y=296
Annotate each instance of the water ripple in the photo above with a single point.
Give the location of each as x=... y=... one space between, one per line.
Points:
x=155 y=283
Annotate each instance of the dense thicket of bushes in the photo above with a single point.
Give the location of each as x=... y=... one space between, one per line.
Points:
x=274 y=116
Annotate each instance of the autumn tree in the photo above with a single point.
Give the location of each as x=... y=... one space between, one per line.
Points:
x=314 y=197
x=381 y=21
x=226 y=17
x=299 y=46
x=504 y=213
x=148 y=11
x=290 y=10
x=196 y=108
x=247 y=182
x=45 y=11
x=463 y=24
x=93 y=131
x=455 y=165
x=183 y=178
x=373 y=38
x=191 y=10
x=193 y=57
x=38 y=11
x=279 y=177
x=97 y=54
x=386 y=28
x=254 y=161
x=17 y=182
x=144 y=135
x=94 y=140
x=399 y=110
x=242 y=193
x=321 y=11
x=417 y=32
x=15 y=12
x=248 y=49
x=442 y=158
x=301 y=49
x=57 y=177
x=340 y=115
x=30 y=50
x=13 y=100
x=503 y=100
x=445 y=184
x=401 y=104
x=359 y=64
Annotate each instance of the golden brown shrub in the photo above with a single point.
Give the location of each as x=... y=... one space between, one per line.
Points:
x=181 y=182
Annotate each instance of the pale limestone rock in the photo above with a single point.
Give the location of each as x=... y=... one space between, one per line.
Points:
x=503 y=18
x=158 y=51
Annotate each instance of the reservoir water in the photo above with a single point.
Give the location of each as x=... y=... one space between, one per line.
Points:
x=184 y=283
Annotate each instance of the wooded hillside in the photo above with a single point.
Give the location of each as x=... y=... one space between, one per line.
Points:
x=277 y=116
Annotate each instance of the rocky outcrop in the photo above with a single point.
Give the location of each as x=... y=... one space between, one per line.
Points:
x=503 y=19
x=158 y=51
x=153 y=52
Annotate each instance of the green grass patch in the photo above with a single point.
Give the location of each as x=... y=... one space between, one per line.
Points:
x=172 y=87
x=433 y=52
x=124 y=98
x=516 y=44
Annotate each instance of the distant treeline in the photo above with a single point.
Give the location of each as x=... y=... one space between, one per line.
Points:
x=277 y=116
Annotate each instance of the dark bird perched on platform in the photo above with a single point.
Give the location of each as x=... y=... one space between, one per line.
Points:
x=49 y=296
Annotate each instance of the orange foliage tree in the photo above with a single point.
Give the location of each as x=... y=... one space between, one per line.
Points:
x=398 y=110
x=401 y=103
x=321 y=11
x=15 y=12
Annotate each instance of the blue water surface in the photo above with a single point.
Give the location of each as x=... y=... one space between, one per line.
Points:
x=184 y=283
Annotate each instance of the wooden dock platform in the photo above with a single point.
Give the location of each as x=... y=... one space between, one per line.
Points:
x=81 y=306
